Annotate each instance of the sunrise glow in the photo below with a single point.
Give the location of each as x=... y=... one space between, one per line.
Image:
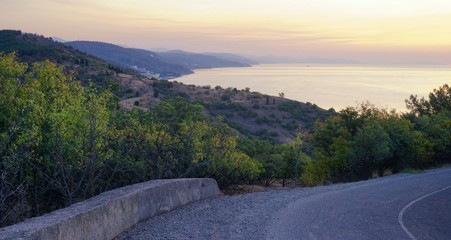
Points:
x=364 y=30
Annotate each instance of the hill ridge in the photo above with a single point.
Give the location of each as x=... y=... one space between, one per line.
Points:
x=253 y=114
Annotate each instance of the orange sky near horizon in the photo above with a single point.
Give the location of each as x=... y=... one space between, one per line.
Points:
x=383 y=31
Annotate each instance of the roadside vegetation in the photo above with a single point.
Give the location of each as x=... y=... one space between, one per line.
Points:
x=363 y=142
x=62 y=141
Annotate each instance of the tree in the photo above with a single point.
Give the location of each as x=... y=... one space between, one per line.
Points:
x=359 y=141
x=267 y=155
x=68 y=125
x=439 y=101
x=225 y=162
x=437 y=130
x=53 y=137
x=370 y=149
x=420 y=151
x=433 y=118
x=62 y=142
x=294 y=159
x=13 y=184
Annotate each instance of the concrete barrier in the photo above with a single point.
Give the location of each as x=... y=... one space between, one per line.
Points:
x=110 y=213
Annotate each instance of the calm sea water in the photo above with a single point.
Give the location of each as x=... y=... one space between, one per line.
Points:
x=327 y=86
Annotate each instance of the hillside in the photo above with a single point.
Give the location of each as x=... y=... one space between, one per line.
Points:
x=31 y=48
x=250 y=113
x=146 y=61
x=62 y=142
x=166 y=64
x=199 y=61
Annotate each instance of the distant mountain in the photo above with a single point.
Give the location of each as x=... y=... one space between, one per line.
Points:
x=250 y=113
x=139 y=59
x=199 y=61
x=31 y=48
x=232 y=57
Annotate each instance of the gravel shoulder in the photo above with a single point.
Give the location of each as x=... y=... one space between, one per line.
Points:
x=232 y=217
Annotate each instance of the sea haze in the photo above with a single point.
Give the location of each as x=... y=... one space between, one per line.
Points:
x=327 y=86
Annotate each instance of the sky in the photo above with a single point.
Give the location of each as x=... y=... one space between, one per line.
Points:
x=365 y=31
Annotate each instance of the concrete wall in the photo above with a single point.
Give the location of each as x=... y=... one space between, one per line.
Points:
x=110 y=213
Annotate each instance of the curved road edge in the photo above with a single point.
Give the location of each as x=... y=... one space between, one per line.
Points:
x=369 y=210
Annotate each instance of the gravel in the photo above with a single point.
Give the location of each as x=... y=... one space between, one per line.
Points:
x=224 y=217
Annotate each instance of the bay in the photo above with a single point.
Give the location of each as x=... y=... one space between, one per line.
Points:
x=330 y=86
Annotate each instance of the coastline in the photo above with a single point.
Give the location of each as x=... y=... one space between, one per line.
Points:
x=329 y=85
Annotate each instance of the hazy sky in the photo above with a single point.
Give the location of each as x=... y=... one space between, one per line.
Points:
x=365 y=30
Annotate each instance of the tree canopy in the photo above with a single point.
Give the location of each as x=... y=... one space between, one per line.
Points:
x=439 y=101
x=62 y=142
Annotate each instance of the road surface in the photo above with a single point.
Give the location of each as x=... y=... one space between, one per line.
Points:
x=408 y=207
x=403 y=206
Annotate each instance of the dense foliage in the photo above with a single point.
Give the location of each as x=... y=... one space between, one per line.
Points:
x=62 y=142
x=439 y=101
x=363 y=142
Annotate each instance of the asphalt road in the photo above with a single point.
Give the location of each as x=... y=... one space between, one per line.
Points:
x=403 y=206
x=414 y=206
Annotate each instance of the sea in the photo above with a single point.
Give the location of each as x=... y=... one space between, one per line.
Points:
x=330 y=86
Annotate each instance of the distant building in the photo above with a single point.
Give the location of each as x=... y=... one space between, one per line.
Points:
x=145 y=72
